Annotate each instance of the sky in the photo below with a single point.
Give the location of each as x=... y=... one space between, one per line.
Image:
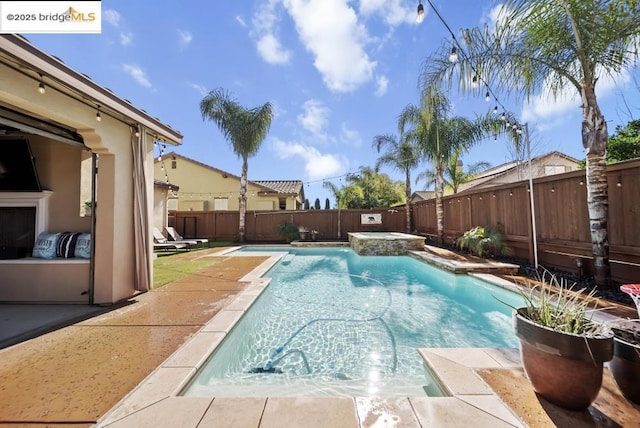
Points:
x=337 y=73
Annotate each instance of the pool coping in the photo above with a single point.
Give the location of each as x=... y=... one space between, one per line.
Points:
x=468 y=396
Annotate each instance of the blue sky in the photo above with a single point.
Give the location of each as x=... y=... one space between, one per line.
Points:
x=337 y=72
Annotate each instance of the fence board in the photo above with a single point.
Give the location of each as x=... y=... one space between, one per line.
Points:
x=562 y=219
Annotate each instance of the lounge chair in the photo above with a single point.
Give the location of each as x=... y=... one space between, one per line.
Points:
x=159 y=238
x=172 y=246
x=173 y=235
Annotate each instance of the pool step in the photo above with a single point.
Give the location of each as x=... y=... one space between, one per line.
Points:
x=287 y=258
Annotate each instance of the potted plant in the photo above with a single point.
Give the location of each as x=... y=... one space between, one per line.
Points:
x=625 y=365
x=88 y=207
x=563 y=349
x=287 y=230
x=314 y=235
x=304 y=233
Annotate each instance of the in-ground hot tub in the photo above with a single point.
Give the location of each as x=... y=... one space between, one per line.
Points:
x=385 y=243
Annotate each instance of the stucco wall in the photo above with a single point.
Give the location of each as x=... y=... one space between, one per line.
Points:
x=58 y=165
x=59 y=168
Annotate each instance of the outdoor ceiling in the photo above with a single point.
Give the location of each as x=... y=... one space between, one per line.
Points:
x=14 y=123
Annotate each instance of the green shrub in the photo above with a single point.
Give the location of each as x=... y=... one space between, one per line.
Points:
x=288 y=231
x=484 y=242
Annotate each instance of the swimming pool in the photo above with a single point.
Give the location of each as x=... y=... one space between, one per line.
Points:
x=334 y=323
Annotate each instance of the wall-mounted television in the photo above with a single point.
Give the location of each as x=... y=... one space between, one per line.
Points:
x=17 y=167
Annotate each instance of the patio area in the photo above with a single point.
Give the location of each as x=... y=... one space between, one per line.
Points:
x=123 y=367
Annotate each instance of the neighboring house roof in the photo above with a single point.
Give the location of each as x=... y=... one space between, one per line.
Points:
x=285 y=187
x=493 y=175
x=423 y=195
x=291 y=187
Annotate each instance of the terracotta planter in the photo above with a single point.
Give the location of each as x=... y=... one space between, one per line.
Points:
x=565 y=369
x=625 y=365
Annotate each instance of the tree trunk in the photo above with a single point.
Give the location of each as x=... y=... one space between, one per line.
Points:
x=439 y=207
x=407 y=192
x=243 y=198
x=594 y=140
x=598 y=205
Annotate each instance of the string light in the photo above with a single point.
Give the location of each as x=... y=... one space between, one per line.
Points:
x=420 y=16
x=487 y=97
x=474 y=82
x=98 y=117
x=453 y=56
x=41 y=88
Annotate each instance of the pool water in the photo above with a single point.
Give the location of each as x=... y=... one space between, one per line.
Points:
x=334 y=323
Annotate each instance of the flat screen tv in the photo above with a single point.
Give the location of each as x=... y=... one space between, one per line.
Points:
x=17 y=168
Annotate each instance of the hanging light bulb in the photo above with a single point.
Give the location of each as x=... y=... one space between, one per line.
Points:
x=420 y=16
x=503 y=117
x=495 y=110
x=453 y=57
x=41 y=88
x=487 y=97
x=137 y=131
x=98 y=117
x=474 y=81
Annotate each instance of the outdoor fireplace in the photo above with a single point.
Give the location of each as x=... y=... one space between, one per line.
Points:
x=23 y=215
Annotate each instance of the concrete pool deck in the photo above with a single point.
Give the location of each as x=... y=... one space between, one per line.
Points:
x=125 y=367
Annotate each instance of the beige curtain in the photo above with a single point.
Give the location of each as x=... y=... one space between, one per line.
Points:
x=141 y=211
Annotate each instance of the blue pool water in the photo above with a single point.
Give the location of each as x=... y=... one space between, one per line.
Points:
x=332 y=322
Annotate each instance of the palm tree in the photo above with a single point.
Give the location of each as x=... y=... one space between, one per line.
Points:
x=404 y=155
x=555 y=47
x=244 y=128
x=439 y=136
x=454 y=175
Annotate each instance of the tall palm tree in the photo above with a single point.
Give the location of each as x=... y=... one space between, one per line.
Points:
x=244 y=128
x=439 y=136
x=402 y=154
x=454 y=175
x=556 y=47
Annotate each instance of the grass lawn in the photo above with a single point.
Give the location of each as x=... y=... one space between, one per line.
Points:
x=170 y=266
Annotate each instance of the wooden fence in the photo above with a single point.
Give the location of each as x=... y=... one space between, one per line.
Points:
x=561 y=220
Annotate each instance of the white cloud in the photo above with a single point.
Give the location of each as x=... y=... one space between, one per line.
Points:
x=315 y=117
x=240 y=21
x=496 y=15
x=138 y=74
x=350 y=136
x=265 y=23
x=329 y=29
x=382 y=84
x=392 y=11
x=202 y=90
x=271 y=50
x=114 y=18
x=317 y=164
x=549 y=111
x=126 y=38
x=111 y=17
x=184 y=38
